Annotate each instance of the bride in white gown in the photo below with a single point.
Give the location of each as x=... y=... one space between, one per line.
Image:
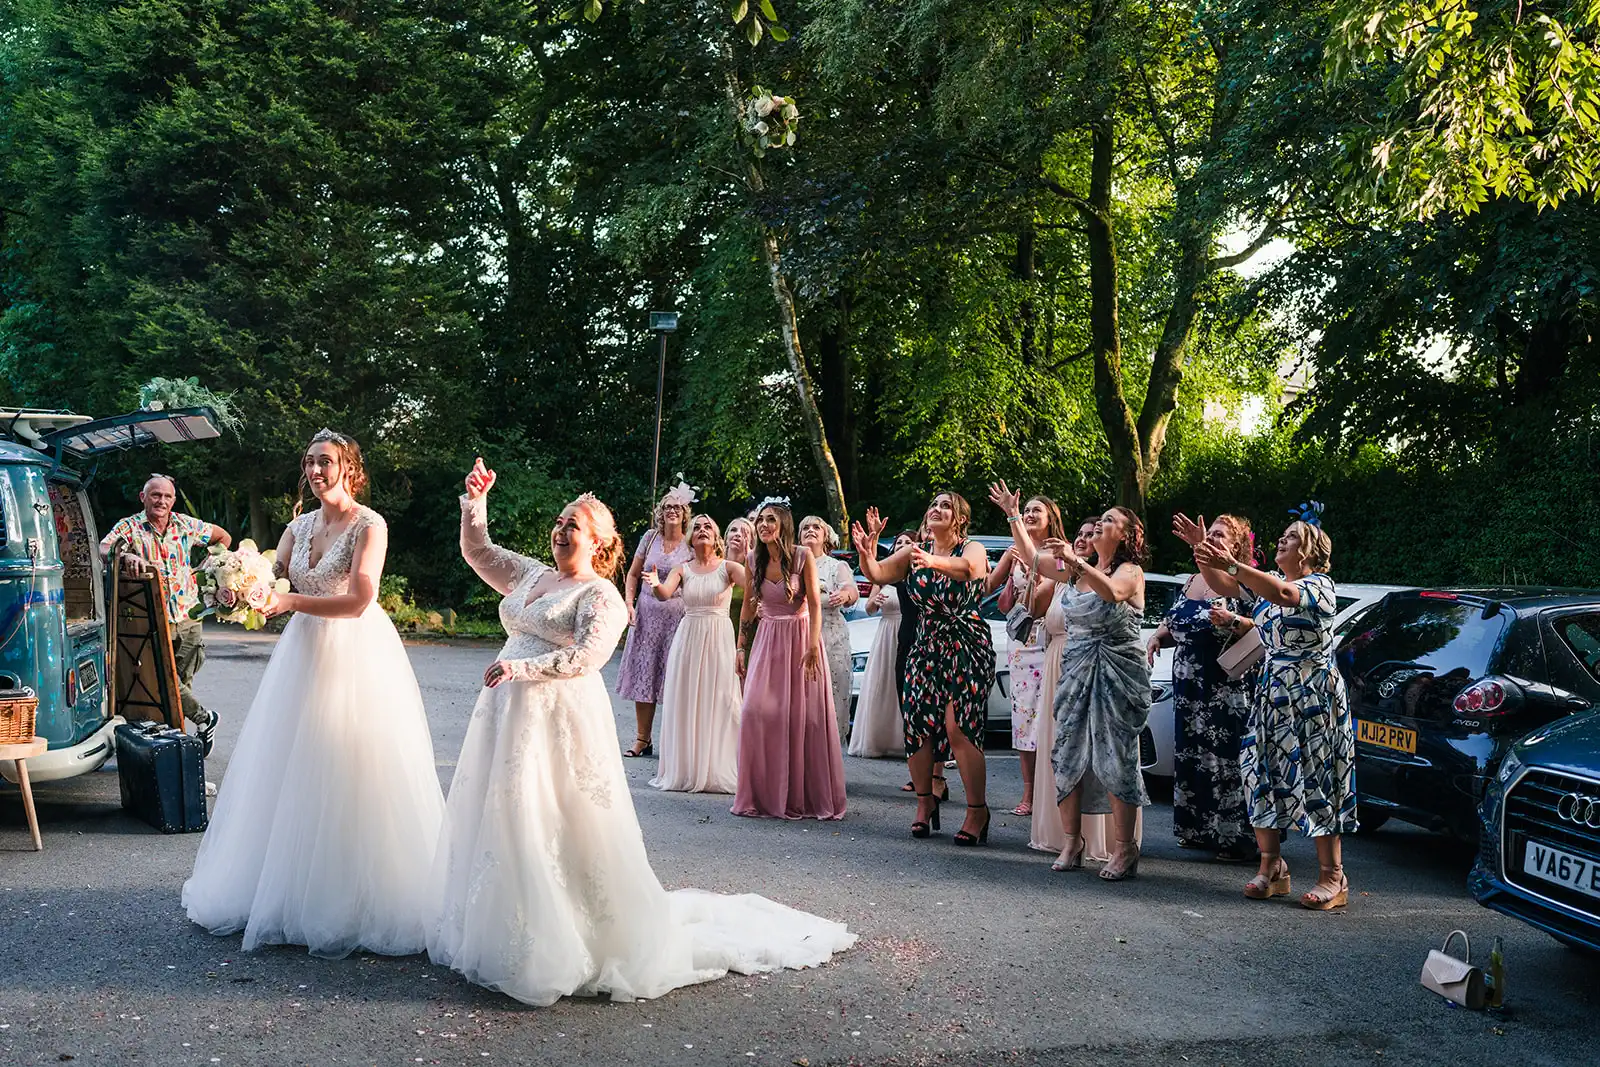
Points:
x=326 y=822
x=541 y=883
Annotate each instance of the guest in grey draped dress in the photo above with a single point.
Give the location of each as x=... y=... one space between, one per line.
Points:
x=1103 y=697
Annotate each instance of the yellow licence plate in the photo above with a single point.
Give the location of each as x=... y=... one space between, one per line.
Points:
x=1386 y=736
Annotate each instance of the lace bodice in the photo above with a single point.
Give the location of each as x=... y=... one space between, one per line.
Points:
x=706 y=594
x=570 y=631
x=331 y=575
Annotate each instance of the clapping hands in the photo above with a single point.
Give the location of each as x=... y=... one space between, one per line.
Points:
x=479 y=480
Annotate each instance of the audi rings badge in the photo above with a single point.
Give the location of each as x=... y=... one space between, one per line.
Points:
x=1580 y=810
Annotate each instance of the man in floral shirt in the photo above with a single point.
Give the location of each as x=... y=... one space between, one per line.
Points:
x=160 y=541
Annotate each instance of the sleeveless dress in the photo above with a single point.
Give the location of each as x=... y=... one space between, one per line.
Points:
x=1025 y=661
x=1101 y=702
x=1209 y=715
x=951 y=661
x=833 y=575
x=700 y=700
x=644 y=658
x=330 y=808
x=790 y=766
x=542 y=888
x=1298 y=759
x=877 y=730
x=1046 y=834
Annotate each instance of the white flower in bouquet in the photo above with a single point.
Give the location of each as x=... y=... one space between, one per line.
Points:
x=238 y=585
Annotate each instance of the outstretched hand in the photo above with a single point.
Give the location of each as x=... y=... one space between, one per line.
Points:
x=1190 y=531
x=1004 y=499
x=875 y=523
x=479 y=480
x=865 y=543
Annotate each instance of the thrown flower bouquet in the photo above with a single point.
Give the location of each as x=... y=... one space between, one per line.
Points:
x=235 y=586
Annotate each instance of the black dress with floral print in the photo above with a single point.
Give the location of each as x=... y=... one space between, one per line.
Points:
x=950 y=662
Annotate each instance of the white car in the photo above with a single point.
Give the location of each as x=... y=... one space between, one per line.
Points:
x=1351 y=599
x=1160 y=592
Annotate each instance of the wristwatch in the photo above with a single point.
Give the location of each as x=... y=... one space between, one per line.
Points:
x=1233 y=570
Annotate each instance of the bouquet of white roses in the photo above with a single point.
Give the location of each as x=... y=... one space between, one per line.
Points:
x=235 y=586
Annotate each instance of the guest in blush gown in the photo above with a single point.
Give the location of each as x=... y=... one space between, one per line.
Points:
x=790 y=765
x=700 y=698
x=878 y=730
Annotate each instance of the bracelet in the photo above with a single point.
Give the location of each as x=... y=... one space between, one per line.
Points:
x=1013 y=518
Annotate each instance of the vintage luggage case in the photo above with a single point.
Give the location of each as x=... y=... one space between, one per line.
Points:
x=163 y=776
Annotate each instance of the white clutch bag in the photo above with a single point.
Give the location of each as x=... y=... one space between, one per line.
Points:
x=1240 y=657
x=1452 y=978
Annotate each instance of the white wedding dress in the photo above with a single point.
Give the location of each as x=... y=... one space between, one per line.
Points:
x=326 y=821
x=541 y=884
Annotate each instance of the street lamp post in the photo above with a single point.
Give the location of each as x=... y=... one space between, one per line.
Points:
x=663 y=323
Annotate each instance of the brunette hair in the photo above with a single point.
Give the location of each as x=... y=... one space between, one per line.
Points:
x=1241 y=538
x=961 y=511
x=609 y=550
x=1053 y=526
x=351 y=463
x=760 y=558
x=1316 y=547
x=1132 y=549
x=719 y=546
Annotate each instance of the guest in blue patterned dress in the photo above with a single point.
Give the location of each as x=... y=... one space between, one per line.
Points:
x=1298 y=756
x=1210 y=709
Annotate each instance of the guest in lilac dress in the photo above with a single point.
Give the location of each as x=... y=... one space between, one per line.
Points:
x=790 y=763
x=653 y=623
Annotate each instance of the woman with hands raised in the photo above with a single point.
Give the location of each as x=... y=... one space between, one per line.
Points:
x=950 y=666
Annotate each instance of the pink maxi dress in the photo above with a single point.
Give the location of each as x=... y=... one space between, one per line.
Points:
x=790 y=764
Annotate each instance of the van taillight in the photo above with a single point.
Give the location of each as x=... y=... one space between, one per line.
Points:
x=1488 y=695
x=72 y=687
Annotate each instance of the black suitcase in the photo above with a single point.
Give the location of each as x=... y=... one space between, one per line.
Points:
x=163 y=776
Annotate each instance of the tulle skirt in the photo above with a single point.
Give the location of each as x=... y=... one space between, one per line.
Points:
x=542 y=887
x=700 y=709
x=327 y=817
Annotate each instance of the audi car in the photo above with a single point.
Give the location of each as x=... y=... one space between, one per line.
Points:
x=1539 y=848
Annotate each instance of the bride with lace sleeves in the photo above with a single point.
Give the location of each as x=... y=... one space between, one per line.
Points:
x=541 y=887
x=330 y=808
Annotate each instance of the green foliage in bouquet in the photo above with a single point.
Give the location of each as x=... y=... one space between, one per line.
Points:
x=164 y=394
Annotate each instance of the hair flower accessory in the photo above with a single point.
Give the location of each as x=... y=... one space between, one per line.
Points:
x=1309 y=513
x=775 y=502
x=682 y=494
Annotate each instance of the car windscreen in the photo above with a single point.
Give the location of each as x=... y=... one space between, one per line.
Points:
x=1420 y=651
x=1159 y=596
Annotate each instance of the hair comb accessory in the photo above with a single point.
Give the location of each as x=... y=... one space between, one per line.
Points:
x=775 y=502
x=1309 y=513
x=682 y=494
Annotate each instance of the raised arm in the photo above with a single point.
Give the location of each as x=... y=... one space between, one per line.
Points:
x=664 y=589
x=1010 y=503
x=878 y=572
x=601 y=618
x=1124 y=583
x=502 y=569
x=970 y=566
x=1270 y=587
x=1192 y=532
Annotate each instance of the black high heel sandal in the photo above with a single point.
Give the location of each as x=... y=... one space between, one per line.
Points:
x=961 y=837
x=920 y=828
x=635 y=752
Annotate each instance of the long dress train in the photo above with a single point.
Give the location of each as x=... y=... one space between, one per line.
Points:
x=330 y=808
x=541 y=887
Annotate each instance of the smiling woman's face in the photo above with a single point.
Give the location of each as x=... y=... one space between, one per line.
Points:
x=572 y=539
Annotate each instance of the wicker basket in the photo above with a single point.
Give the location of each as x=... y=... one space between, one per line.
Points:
x=17 y=709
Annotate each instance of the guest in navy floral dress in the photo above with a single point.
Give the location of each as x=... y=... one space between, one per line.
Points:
x=1298 y=756
x=1209 y=708
x=950 y=667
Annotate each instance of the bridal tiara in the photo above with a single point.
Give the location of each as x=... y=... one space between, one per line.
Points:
x=775 y=502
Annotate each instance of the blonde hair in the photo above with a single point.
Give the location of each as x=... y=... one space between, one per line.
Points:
x=719 y=546
x=830 y=536
x=609 y=549
x=1316 y=547
x=658 y=517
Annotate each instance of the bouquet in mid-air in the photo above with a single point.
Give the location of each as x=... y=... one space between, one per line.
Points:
x=236 y=586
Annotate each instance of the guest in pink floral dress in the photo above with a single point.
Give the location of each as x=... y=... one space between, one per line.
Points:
x=653 y=623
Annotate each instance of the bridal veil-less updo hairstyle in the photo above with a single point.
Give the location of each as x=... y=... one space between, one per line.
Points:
x=351 y=465
x=608 y=548
x=1316 y=547
x=1132 y=548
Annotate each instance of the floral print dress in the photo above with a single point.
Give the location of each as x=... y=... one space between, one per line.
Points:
x=1025 y=660
x=1299 y=752
x=950 y=662
x=1210 y=712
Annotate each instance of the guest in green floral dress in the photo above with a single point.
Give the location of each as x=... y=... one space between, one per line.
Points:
x=950 y=667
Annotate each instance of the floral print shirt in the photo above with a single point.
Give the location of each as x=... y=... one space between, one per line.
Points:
x=170 y=552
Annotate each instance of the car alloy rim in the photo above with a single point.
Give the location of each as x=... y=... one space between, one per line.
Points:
x=1580 y=810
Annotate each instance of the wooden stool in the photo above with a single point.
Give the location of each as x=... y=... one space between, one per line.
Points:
x=20 y=754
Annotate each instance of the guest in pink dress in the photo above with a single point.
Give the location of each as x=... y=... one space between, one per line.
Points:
x=653 y=623
x=790 y=764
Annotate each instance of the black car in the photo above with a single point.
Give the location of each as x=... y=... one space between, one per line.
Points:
x=1443 y=682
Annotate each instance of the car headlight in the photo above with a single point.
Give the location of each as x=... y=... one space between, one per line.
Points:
x=858 y=662
x=1159 y=692
x=1509 y=767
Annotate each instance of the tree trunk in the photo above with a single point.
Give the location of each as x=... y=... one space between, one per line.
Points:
x=835 y=379
x=789 y=330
